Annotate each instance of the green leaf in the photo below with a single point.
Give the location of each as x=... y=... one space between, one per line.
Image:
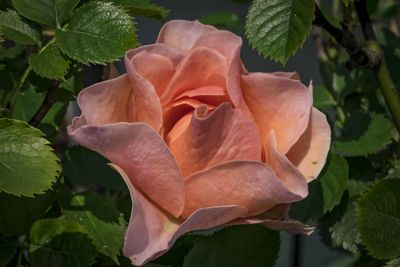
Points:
x=393 y=263
x=97 y=33
x=24 y=212
x=378 y=219
x=364 y=134
x=333 y=180
x=86 y=167
x=250 y=245
x=323 y=98
x=223 y=19
x=49 y=63
x=344 y=233
x=8 y=248
x=28 y=165
x=52 y=13
x=144 y=8
x=278 y=28
x=14 y=28
x=11 y=52
x=99 y=216
x=57 y=242
x=27 y=103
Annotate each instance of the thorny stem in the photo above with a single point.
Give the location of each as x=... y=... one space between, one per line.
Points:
x=369 y=56
x=380 y=70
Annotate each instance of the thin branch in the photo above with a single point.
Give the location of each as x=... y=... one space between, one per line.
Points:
x=49 y=100
x=380 y=70
x=346 y=39
x=365 y=21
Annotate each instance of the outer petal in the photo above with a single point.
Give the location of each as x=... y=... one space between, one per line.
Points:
x=224 y=135
x=182 y=34
x=310 y=152
x=280 y=104
x=250 y=184
x=291 y=75
x=200 y=68
x=141 y=152
x=289 y=175
x=108 y=102
x=291 y=226
x=151 y=232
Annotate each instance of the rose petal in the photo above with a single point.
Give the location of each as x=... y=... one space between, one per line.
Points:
x=250 y=184
x=145 y=99
x=155 y=68
x=182 y=34
x=291 y=226
x=210 y=95
x=177 y=110
x=151 y=232
x=228 y=44
x=291 y=75
x=310 y=152
x=289 y=175
x=141 y=152
x=200 y=68
x=108 y=102
x=278 y=104
x=224 y=135
x=159 y=49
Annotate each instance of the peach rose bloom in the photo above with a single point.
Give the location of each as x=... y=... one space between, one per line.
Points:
x=201 y=142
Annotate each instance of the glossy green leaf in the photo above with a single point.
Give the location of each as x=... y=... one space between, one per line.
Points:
x=223 y=19
x=52 y=13
x=28 y=165
x=364 y=134
x=8 y=248
x=49 y=63
x=378 y=219
x=58 y=242
x=333 y=180
x=236 y=246
x=24 y=212
x=14 y=28
x=278 y=28
x=99 y=216
x=86 y=167
x=97 y=33
x=144 y=8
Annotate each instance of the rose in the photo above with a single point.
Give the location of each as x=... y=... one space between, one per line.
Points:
x=199 y=141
